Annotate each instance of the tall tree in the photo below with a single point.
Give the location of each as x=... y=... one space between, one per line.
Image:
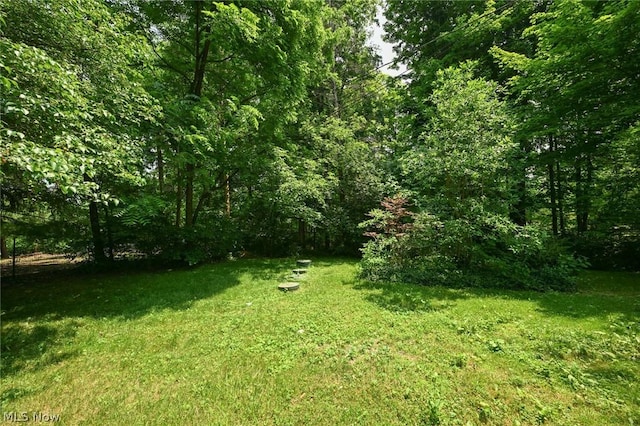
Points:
x=433 y=35
x=578 y=93
x=73 y=107
x=458 y=231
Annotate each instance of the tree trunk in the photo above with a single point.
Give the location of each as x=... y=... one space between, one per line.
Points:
x=98 y=243
x=589 y=188
x=107 y=221
x=518 y=211
x=586 y=201
x=552 y=196
x=583 y=186
x=204 y=197
x=301 y=233
x=160 y=171
x=578 y=201
x=196 y=89
x=314 y=241
x=200 y=54
x=552 y=188
x=13 y=259
x=188 y=196
x=96 y=235
x=227 y=195
x=4 y=253
x=179 y=200
x=560 y=197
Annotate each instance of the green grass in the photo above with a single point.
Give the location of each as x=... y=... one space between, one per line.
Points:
x=220 y=345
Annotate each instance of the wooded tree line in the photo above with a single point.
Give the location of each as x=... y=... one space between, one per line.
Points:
x=190 y=129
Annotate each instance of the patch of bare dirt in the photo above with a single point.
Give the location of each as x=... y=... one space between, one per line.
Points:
x=35 y=263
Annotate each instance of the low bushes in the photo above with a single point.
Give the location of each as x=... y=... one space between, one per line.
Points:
x=482 y=250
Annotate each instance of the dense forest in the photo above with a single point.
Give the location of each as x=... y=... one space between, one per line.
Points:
x=507 y=154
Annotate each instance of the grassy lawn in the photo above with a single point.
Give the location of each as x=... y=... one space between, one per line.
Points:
x=220 y=345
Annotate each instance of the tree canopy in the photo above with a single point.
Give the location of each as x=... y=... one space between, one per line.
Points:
x=187 y=130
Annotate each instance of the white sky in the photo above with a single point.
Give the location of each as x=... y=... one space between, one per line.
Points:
x=384 y=49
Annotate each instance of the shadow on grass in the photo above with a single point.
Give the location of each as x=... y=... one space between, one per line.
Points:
x=600 y=295
x=12 y=394
x=400 y=297
x=131 y=294
x=28 y=346
x=38 y=317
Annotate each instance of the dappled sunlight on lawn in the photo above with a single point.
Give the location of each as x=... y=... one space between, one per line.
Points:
x=338 y=348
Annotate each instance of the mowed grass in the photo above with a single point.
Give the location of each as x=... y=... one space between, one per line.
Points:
x=219 y=344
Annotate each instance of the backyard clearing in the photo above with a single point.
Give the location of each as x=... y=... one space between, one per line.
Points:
x=220 y=344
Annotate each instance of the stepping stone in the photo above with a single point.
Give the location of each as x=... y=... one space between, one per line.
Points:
x=305 y=263
x=289 y=286
x=297 y=272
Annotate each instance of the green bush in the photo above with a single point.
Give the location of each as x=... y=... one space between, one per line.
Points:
x=481 y=250
x=145 y=224
x=616 y=249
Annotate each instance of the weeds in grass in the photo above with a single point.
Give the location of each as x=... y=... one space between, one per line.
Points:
x=221 y=345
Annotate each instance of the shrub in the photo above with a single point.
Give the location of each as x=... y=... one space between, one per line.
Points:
x=476 y=250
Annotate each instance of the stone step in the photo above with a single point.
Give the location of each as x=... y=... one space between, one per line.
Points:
x=304 y=263
x=290 y=286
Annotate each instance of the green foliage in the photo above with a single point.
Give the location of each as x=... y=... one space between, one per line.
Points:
x=476 y=251
x=567 y=73
x=67 y=116
x=613 y=242
x=463 y=155
x=462 y=234
x=165 y=123
x=178 y=127
x=576 y=94
x=72 y=116
x=356 y=183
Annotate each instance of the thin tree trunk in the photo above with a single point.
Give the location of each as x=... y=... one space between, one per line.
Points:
x=4 y=252
x=160 y=171
x=304 y=234
x=13 y=259
x=578 y=201
x=552 y=196
x=188 y=196
x=96 y=235
x=518 y=211
x=204 y=197
x=301 y=236
x=98 y=243
x=586 y=195
x=179 y=201
x=201 y=56
x=552 y=188
x=227 y=195
x=314 y=241
x=583 y=187
x=560 y=197
x=107 y=221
